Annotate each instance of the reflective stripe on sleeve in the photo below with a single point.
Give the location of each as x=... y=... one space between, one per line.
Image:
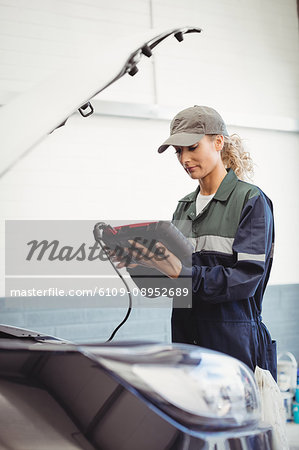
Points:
x=251 y=257
x=214 y=244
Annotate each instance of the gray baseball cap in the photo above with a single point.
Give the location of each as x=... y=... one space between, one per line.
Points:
x=190 y=125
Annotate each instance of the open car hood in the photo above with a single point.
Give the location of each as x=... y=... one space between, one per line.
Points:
x=35 y=113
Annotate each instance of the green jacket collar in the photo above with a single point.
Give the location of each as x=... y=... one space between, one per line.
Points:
x=226 y=187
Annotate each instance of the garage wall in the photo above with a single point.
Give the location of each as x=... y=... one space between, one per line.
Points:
x=245 y=64
x=78 y=172
x=40 y=36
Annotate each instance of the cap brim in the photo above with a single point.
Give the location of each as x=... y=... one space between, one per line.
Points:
x=182 y=139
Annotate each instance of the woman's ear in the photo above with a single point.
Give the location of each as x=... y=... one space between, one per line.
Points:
x=219 y=142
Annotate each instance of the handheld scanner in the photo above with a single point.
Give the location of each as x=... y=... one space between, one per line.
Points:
x=147 y=234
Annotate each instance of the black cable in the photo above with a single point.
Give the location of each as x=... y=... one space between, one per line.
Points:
x=128 y=292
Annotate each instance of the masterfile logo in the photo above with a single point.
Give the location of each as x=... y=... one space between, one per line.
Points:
x=58 y=258
x=52 y=247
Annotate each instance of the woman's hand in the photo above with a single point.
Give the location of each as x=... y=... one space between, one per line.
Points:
x=159 y=258
x=123 y=259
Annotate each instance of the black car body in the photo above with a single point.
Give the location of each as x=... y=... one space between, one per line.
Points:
x=124 y=396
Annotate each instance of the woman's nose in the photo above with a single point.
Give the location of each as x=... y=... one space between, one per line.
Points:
x=184 y=157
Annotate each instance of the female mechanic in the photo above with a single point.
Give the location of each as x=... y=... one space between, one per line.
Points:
x=233 y=235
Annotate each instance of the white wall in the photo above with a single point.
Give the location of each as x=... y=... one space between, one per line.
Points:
x=245 y=64
x=80 y=172
x=38 y=36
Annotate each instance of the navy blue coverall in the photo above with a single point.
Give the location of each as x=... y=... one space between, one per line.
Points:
x=231 y=263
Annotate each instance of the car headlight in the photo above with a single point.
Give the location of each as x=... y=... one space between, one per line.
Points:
x=193 y=385
x=219 y=390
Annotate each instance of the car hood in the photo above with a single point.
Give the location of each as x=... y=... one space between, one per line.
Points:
x=191 y=385
x=32 y=115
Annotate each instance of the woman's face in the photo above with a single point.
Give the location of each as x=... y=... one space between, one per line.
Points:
x=200 y=159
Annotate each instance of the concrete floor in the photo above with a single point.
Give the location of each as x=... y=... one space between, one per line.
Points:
x=293 y=435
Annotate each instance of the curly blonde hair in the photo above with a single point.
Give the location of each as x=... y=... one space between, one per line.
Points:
x=235 y=156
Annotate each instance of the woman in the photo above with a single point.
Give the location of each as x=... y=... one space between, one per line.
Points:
x=233 y=235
